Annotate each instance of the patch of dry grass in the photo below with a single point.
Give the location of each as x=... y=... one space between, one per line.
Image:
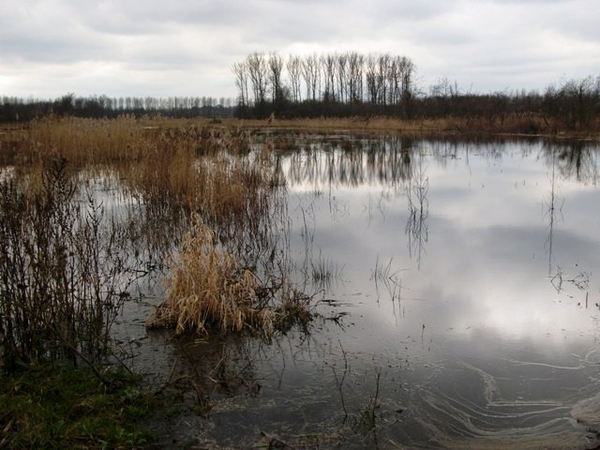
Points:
x=209 y=291
x=84 y=141
x=207 y=288
x=197 y=166
x=511 y=123
x=206 y=171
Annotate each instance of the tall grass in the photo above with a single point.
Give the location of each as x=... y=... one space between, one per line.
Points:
x=197 y=168
x=83 y=141
x=208 y=171
x=62 y=263
x=61 y=270
x=209 y=291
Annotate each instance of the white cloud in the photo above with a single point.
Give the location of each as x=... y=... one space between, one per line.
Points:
x=184 y=47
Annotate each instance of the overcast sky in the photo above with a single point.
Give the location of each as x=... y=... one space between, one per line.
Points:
x=186 y=48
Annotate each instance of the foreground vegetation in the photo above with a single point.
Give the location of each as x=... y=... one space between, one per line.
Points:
x=208 y=289
x=190 y=201
x=47 y=407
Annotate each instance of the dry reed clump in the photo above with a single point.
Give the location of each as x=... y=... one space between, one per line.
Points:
x=84 y=141
x=210 y=291
x=232 y=190
x=205 y=171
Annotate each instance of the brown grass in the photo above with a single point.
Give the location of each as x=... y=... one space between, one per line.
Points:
x=195 y=166
x=207 y=288
x=85 y=141
x=493 y=124
x=205 y=171
x=209 y=291
x=186 y=168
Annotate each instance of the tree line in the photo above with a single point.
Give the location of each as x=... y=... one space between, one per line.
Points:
x=354 y=84
x=573 y=104
x=333 y=84
x=347 y=84
x=14 y=109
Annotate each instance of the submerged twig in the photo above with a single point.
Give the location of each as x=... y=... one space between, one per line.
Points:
x=339 y=383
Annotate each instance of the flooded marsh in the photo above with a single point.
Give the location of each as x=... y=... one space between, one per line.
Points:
x=456 y=283
x=452 y=285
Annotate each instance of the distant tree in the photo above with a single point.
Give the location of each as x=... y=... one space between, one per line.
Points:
x=383 y=77
x=64 y=105
x=257 y=70
x=275 y=63
x=371 y=78
x=355 y=77
x=442 y=93
x=342 y=65
x=406 y=72
x=575 y=103
x=294 y=69
x=240 y=69
x=328 y=63
x=310 y=72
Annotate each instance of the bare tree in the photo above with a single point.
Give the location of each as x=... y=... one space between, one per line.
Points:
x=578 y=102
x=383 y=77
x=443 y=94
x=404 y=83
x=371 y=79
x=355 y=77
x=241 y=81
x=342 y=67
x=294 y=69
x=257 y=71
x=310 y=72
x=275 y=70
x=328 y=63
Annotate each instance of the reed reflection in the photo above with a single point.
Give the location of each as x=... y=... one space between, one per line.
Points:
x=351 y=162
x=574 y=160
x=417 y=229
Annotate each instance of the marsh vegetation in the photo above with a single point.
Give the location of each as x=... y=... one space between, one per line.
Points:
x=89 y=208
x=293 y=288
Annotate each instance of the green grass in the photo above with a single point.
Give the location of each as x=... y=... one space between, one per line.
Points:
x=46 y=407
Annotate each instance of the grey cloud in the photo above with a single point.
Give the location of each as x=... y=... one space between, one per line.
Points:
x=492 y=45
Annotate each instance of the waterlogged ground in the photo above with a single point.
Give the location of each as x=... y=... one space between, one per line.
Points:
x=458 y=298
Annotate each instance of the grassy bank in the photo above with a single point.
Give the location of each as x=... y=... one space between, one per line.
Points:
x=47 y=407
x=531 y=124
x=528 y=124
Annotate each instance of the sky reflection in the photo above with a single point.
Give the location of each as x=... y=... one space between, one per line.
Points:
x=460 y=275
x=496 y=224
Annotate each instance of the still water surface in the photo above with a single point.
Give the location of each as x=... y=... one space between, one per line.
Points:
x=467 y=275
x=459 y=296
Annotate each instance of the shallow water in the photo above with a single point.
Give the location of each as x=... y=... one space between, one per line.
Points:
x=458 y=297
